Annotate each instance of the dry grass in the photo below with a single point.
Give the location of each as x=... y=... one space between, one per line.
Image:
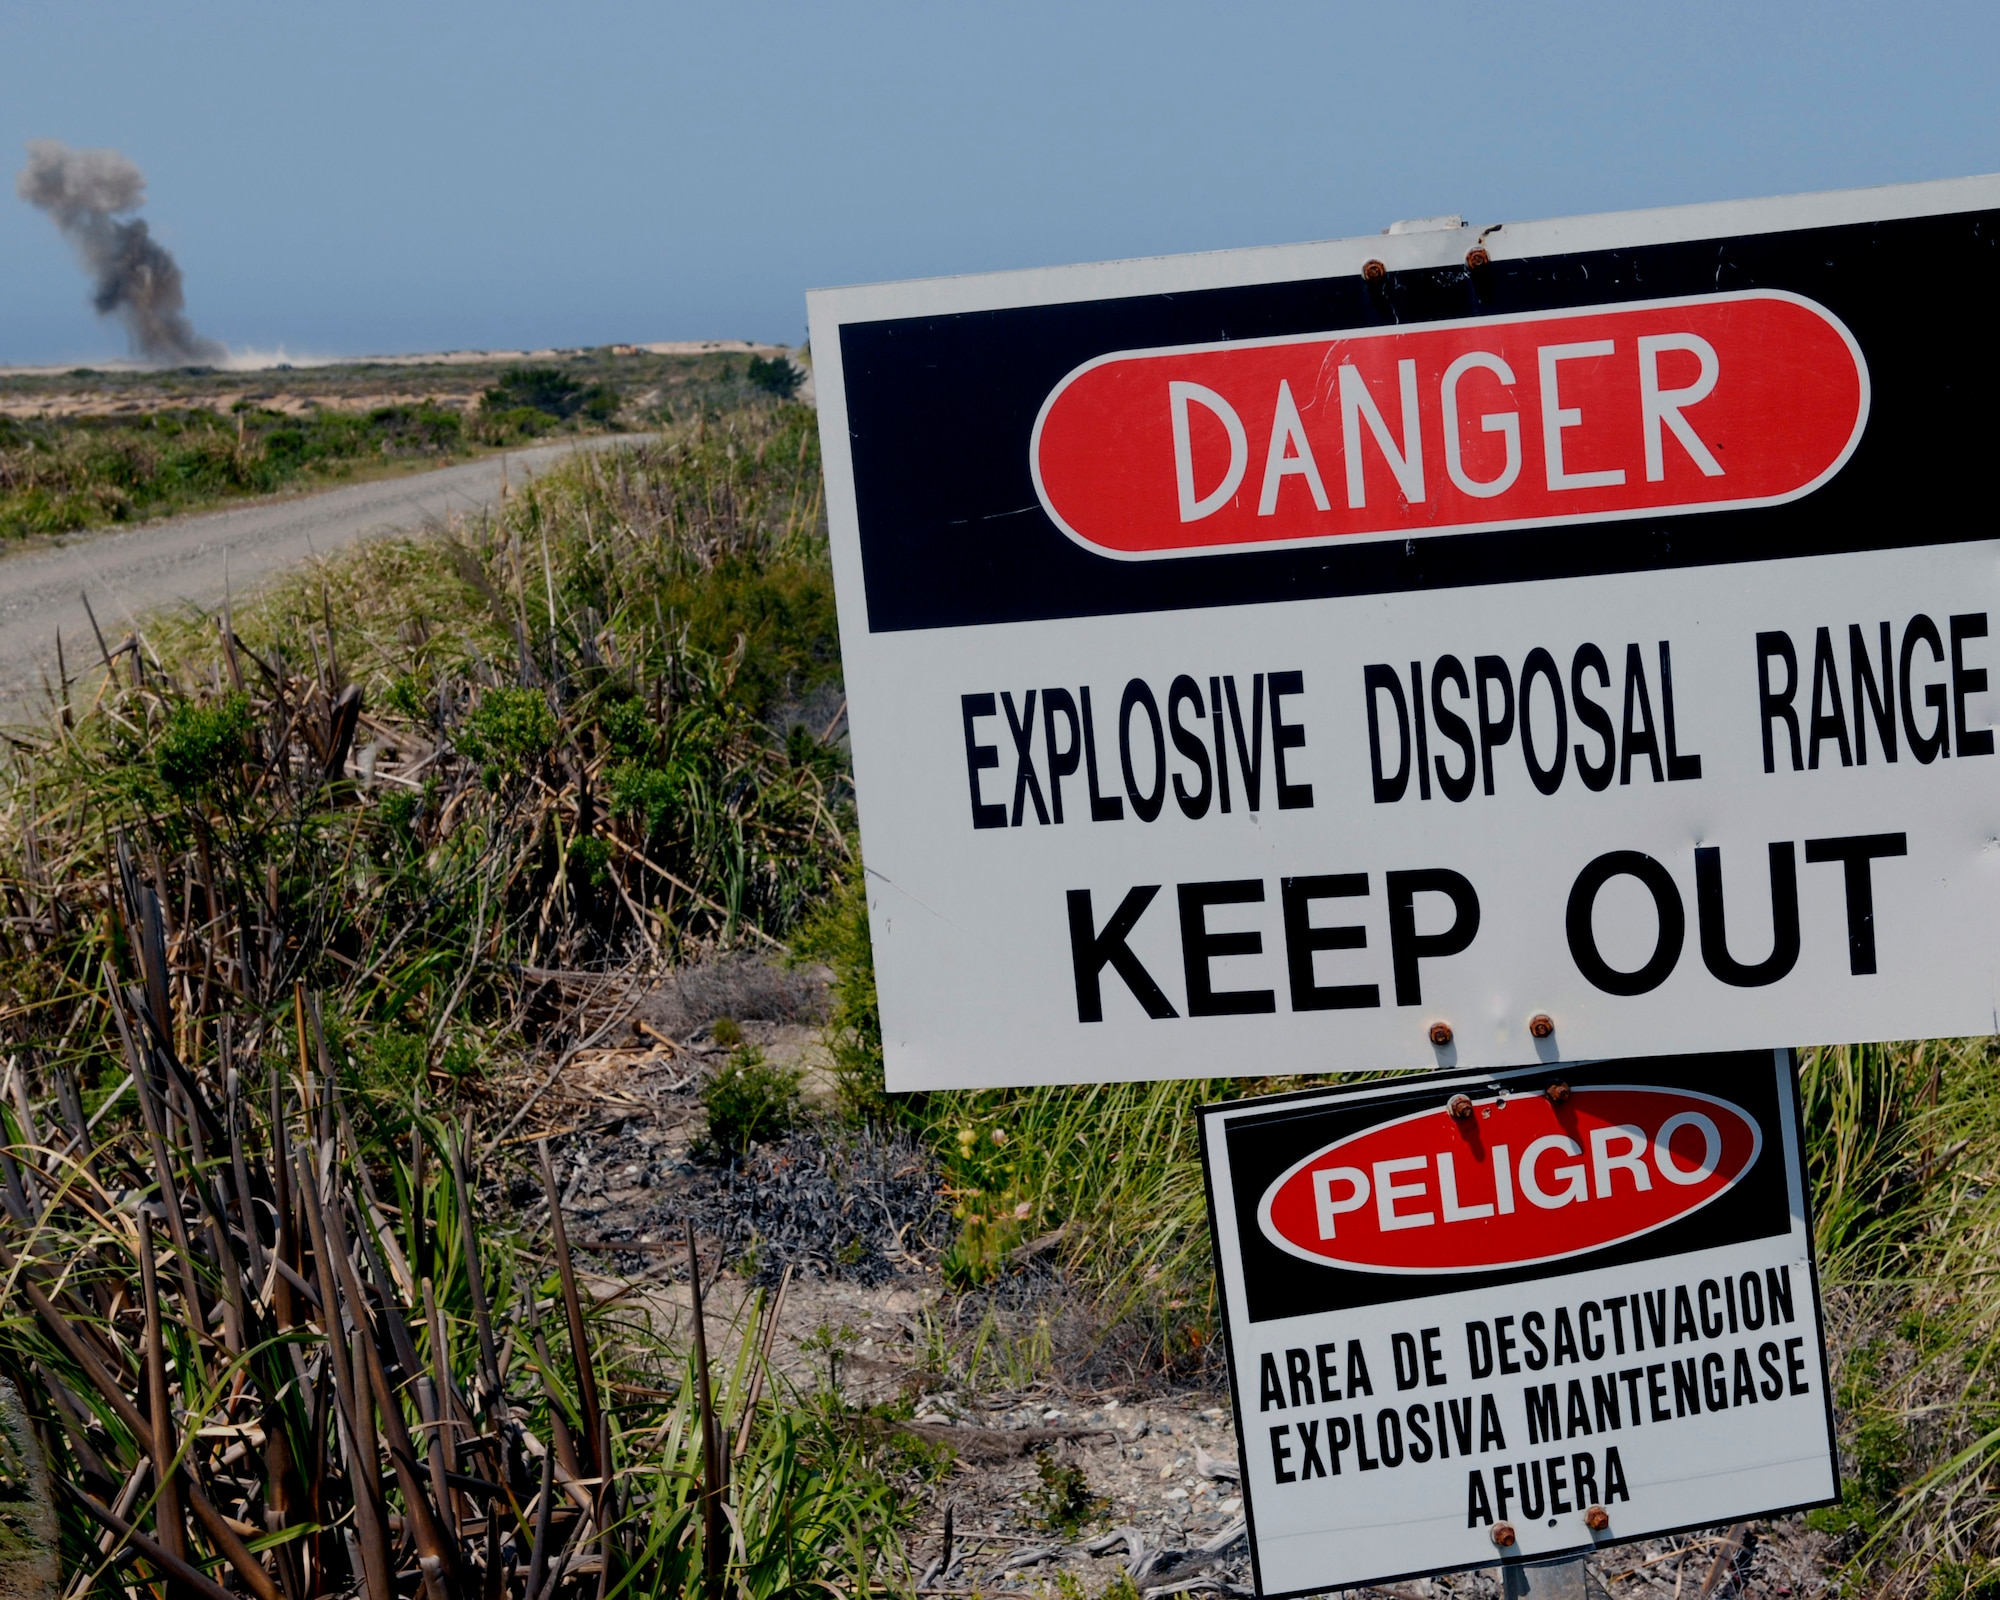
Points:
x=538 y=741
x=268 y=1356
x=413 y=783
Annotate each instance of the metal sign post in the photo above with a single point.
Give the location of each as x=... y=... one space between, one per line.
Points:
x=1548 y=1580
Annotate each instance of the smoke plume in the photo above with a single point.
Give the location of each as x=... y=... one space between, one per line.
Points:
x=136 y=280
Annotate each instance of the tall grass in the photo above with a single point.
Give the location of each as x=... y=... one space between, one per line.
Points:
x=262 y=1362
x=415 y=784
x=1904 y=1146
x=417 y=776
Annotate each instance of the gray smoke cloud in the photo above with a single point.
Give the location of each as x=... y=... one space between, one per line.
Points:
x=136 y=280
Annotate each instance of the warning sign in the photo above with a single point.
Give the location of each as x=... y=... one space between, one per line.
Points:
x=1125 y=476
x=1479 y=1317
x=1461 y=648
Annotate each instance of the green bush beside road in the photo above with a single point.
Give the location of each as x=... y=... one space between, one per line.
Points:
x=62 y=476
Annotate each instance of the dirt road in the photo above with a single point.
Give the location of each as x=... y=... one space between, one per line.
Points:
x=128 y=572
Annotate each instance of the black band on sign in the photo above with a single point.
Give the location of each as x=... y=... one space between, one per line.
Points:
x=1583 y=936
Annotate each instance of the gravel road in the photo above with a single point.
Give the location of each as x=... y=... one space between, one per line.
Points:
x=128 y=572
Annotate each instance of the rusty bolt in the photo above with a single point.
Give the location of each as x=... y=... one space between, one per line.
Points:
x=1373 y=272
x=1541 y=1025
x=1503 y=1535
x=1440 y=1033
x=1557 y=1092
x=1597 y=1519
x=1477 y=257
x=1460 y=1106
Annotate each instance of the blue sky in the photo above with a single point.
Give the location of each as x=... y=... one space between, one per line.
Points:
x=363 y=177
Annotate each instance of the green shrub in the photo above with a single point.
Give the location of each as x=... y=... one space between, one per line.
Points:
x=749 y=1101
x=590 y=862
x=1873 y=1453
x=646 y=795
x=406 y=694
x=401 y=811
x=1062 y=1502
x=515 y=422
x=625 y=722
x=978 y=1252
x=552 y=392
x=777 y=376
x=838 y=936
x=549 y=390
x=1976 y=1579
x=395 y=1056
x=426 y=426
x=776 y=618
x=203 y=746
x=508 y=732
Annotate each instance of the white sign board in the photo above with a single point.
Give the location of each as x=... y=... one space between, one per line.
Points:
x=1473 y=1319
x=1428 y=650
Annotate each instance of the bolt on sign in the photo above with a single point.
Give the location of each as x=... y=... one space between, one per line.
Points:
x=1453 y=648
x=1480 y=1317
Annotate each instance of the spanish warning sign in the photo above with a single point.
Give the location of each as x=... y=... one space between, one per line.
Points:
x=1450 y=648
x=1480 y=1317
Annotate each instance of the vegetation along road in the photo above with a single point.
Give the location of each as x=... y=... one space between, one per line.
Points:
x=522 y=905
x=193 y=560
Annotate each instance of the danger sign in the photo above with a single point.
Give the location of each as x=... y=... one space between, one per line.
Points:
x=1601 y=1156
x=1537 y=1314
x=1442 y=649
x=1425 y=426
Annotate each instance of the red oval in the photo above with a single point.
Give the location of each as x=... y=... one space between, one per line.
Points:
x=1660 y=407
x=1522 y=1180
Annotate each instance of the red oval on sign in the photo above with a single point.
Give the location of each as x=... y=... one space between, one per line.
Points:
x=1519 y=1181
x=1662 y=407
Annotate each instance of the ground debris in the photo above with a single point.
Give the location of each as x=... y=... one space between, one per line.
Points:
x=738 y=986
x=859 y=1205
x=860 y=1219
x=997 y=1444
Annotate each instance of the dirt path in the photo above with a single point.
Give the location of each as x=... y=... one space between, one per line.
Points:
x=187 y=560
